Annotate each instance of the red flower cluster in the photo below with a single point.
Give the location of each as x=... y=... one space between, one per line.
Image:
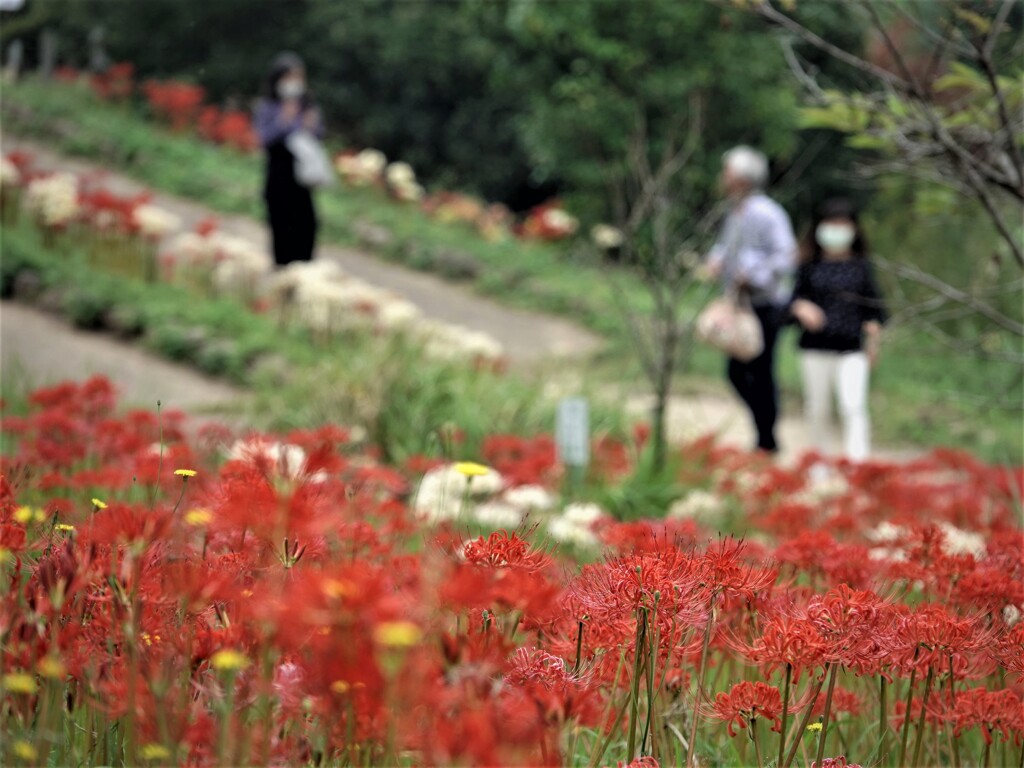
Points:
x=276 y=600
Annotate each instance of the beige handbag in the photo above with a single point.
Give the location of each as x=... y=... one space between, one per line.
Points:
x=728 y=323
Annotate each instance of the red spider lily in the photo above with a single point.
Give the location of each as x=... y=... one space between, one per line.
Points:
x=548 y=221
x=116 y=84
x=504 y=550
x=235 y=129
x=932 y=637
x=558 y=694
x=1009 y=652
x=176 y=102
x=843 y=702
x=521 y=461
x=106 y=210
x=855 y=626
x=725 y=571
x=666 y=582
x=747 y=702
x=784 y=640
x=1001 y=711
x=834 y=762
x=647 y=535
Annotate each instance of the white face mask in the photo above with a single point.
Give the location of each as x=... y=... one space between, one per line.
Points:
x=291 y=89
x=835 y=238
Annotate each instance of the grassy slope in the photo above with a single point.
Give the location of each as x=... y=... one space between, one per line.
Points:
x=386 y=386
x=918 y=395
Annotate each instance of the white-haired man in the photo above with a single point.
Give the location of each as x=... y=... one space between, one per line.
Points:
x=755 y=255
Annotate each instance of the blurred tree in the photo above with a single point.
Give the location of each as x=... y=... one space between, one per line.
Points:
x=596 y=67
x=938 y=98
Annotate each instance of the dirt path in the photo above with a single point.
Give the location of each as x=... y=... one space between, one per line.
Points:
x=527 y=337
x=37 y=349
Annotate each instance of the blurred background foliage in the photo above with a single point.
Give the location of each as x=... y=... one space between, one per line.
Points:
x=516 y=100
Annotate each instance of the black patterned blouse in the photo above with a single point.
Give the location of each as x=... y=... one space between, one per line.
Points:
x=847 y=293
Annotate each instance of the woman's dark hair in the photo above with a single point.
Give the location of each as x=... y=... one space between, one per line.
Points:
x=281 y=65
x=833 y=208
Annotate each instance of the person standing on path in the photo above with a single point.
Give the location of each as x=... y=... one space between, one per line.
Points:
x=754 y=258
x=287 y=108
x=837 y=302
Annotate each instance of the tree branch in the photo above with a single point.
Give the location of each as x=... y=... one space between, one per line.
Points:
x=777 y=17
x=954 y=294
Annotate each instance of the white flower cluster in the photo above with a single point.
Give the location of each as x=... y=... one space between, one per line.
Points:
x=442 y=341
x=561 y=222
x=10 y=176
x=576 y=525
x=606 y=236
x=53 y=199
x=401 y=180
x=362 y=169
x=325 y=298
x=444 y=492
x=698 y=505
x=957 y=541
x=155 y=222
x=237 y=265
x=288 y=461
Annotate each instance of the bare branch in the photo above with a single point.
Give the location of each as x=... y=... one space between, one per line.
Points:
x=954 y=294
x=777 y=17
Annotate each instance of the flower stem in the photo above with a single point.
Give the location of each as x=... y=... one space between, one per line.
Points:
x=919 y=738
x=634 y=707
x=906 y=715
x=579 y=649
x=952 y=698
x=883 y=725
x=828 y=712
x=700 y=687
x=785 y=713
x=807 y=716
x=757 y=745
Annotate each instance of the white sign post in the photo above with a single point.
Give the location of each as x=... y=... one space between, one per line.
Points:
x=572 y=436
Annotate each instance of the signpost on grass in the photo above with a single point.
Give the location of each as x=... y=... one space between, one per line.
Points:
x=572 y=439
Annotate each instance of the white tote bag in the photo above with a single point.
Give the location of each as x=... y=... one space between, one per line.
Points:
x=312 y=166
x=729 y=324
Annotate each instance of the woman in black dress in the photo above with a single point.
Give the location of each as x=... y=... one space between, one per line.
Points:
x=286 y=109
x=839 y=306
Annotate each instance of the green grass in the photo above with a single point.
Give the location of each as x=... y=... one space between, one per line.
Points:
x=921 y=394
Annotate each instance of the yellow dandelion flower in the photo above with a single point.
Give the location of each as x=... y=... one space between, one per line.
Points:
x=20 y=682
x=471 y=469
x=397 y=634
x=25 y=751
x=64 y=527
x=186 y=473
x=51 y=667
x=198 y=517
x=814 y=727
x=154 y=752
x=229 y=660
x=24 y=515
x=98 y=504
x=340 y=686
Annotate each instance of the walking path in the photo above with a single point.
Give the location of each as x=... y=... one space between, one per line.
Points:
x=527 y=337
x=38 y=349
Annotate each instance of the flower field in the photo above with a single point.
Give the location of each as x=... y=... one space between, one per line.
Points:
x=181 y=596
